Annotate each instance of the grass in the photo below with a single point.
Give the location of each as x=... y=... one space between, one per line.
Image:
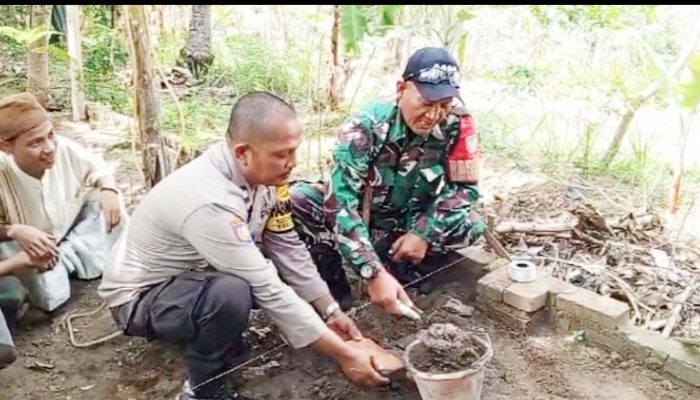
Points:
x=105 y=53
x=563 y=154
x=205 y=117
x=247 y=63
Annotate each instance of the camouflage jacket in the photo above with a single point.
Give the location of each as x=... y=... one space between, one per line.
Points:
x=407 y=175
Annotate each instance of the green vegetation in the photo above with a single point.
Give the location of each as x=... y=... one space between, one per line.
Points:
x=591 y=57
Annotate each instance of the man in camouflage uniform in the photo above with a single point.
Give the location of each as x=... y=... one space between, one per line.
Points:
x=421 y=193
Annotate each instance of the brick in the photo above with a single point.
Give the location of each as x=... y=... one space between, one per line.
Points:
x=684 y=370
x=654 y=348
x=655 y=361
x=642 y=342
x=610 y=339
x=492 y=285
x=558 y=286
x=683 y=362
x=541 y=324
x=667 y=354
x=587 y=305
x=530 y=296
x=477 y=255
x=562 y=323
x=506 y=314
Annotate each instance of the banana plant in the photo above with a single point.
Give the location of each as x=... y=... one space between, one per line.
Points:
x=690 y=89
x=353 y=23
x=26 y=36
x=446 y=25
x=359 y=21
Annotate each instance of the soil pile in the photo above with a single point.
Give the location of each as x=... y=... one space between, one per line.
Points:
x=446 y=348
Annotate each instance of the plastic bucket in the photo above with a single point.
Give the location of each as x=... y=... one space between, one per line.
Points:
x=458 y=385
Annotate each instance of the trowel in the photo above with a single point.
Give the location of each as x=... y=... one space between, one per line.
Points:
x=386 y=362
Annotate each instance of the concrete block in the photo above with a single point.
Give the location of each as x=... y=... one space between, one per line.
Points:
x=610 y=339
x=685 y=368
x=658 y=352
x=492 y=285
x=683 y=361
x=557 y=286
x=530 y=296
x=561 y=322
x=643 y=344
x=478 y=255
x=586 y=305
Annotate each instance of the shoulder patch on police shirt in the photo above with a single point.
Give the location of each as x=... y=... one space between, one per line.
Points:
x=280 y=220
x=241 y=233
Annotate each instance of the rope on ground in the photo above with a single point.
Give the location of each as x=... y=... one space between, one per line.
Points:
x=90 y=343
x=350 y=313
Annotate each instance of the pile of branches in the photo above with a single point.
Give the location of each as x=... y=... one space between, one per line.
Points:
x=630 y=256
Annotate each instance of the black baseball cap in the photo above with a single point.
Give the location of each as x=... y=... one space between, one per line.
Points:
x=434 y=72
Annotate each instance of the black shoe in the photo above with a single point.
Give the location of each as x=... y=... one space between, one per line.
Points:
x=241 y=350
x=222 y=394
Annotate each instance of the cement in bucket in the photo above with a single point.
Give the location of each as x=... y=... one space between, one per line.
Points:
x=459 y=385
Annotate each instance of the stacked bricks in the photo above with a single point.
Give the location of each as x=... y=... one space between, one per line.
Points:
x=605 y=321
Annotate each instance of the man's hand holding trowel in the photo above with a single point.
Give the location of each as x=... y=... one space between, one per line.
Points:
x=385 y=291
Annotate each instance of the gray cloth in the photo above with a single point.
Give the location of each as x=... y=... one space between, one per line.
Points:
x=205 y=311
x=206 y=214
x=8 y=353
x=82 y=253
x=5 y=336
x=88 y=243
x=12 y=298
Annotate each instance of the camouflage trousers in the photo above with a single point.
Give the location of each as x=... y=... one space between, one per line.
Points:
x=316 y=230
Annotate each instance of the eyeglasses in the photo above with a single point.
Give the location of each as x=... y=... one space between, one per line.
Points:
x=436 y=74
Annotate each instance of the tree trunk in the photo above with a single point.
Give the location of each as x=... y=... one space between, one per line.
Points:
x=282 y=21
x=76 y=62
x=157 y=157
x=114 y=13
x=38 y=59
x=674 y=195
x=334 y=86
x=197 y=51
x=647 y=94
x=394 y=56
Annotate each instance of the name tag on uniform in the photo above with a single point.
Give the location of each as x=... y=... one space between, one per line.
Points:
x=280 y=220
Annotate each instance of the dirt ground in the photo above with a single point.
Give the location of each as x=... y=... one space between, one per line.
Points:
x=527 y=368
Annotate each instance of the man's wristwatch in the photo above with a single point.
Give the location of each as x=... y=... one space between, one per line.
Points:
x=333 y=307
x=369 y=271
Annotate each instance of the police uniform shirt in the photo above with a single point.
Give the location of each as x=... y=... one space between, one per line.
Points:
x=206 y=214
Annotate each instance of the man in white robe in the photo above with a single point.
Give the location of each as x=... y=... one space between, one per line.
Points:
x=60 y=209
